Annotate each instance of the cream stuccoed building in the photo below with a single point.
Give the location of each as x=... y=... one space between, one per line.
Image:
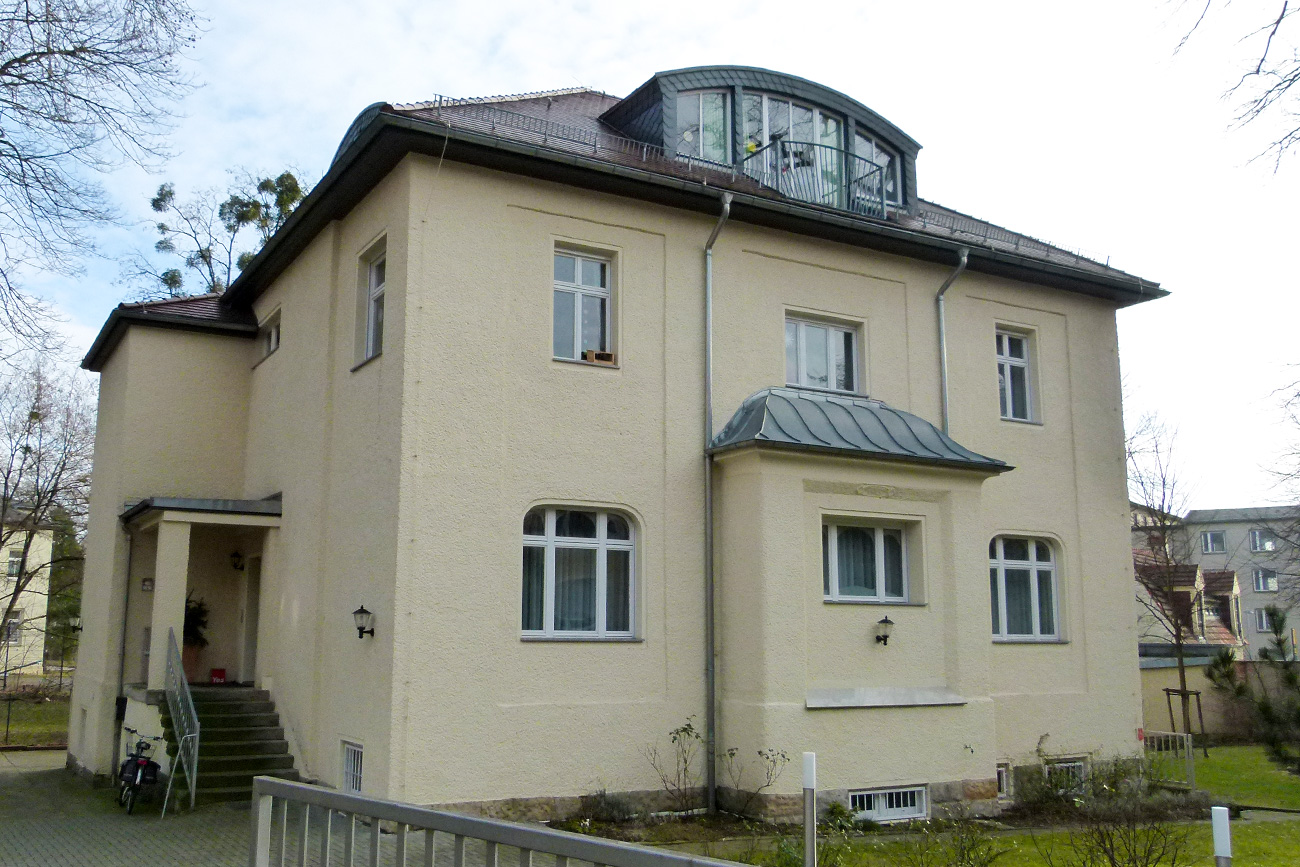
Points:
x=616 y=413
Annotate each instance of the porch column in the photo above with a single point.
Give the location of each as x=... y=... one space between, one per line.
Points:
x=171 y=578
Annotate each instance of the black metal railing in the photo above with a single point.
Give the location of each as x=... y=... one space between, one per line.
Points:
x=820 y=174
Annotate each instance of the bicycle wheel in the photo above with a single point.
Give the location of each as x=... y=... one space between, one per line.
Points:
x=121 y=794
x=130 y=799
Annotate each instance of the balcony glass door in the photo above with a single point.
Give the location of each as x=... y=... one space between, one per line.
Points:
x=804 y=148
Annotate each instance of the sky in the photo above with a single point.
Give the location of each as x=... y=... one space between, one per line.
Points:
x=1081 y=124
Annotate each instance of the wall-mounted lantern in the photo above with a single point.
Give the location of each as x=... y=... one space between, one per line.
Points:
x=237 y=561
x=365 y=622
x=883 y=629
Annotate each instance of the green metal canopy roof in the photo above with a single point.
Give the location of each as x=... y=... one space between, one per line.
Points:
x=849 y=425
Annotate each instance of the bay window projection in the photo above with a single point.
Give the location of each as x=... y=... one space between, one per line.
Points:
x=577 y=574
x=819 y=355
x=582 y=306
x=1022 y=588
x=863 y=564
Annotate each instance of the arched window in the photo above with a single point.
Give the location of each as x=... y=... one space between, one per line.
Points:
x=1022 y=588
x=578 y=567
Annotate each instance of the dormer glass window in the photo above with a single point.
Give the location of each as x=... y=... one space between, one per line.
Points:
x=868 y=148
x=702 y=128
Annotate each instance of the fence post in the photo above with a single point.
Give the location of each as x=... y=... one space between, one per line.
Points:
x=810 y=809
x=1191 y=761
x=1222 y=837
x=260 y=856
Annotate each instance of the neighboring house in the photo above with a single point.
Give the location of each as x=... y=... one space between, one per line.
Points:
x=22 y=635
x=1256 y=544
x=581 y=396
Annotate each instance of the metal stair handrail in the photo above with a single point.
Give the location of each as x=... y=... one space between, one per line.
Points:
x=185 y=721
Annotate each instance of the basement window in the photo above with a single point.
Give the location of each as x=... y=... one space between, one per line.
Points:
x=889 y=805
x=1066 y=778
x=351 y=768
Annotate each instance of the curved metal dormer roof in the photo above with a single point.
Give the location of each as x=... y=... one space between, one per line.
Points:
x=817 y=421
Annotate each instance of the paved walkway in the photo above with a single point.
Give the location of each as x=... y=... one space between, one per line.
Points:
x=49 y=819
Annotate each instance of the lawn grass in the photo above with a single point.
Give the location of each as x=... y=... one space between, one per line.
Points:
x=1244 y=775
x=34 y=722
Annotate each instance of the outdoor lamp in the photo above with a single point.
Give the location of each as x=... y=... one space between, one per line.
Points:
x=883 y=628
x=365 y=622
x=237 y=561
x=75 y=625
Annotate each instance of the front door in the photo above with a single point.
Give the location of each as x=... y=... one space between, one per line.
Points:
x=248 y=617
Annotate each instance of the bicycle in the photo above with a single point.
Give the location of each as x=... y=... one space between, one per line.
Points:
x=138 y=771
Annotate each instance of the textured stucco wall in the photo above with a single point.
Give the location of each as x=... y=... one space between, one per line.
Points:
x=27 y=654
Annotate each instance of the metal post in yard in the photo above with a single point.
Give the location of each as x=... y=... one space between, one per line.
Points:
x=1191 y=761
x=810 y=809
x=1222 y=837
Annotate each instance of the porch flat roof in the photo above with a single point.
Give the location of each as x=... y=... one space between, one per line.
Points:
x=263 y=508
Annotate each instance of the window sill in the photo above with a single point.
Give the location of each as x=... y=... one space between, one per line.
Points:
x=1032 y=422
x=902 y=603
x=584 y=363
x=820 y=390
x=1028 y=640
x=584 y=639
x=264 y=358
x=362 y=364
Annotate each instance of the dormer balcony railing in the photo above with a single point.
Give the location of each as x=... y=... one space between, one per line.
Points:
x=820 y=174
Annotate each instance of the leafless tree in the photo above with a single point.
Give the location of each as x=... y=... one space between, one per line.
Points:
x=1165 y=570
x=84 y=86
x=1264 y=88
x=47 y=436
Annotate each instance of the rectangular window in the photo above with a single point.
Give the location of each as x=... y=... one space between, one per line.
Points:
x=1013 y=376
x=1004 y=781
x=1265 y=581
x=376 y=279
x=269 y=334
x=1022 y=589
x=1066 y=778
x=702 y=128
x=351 y=768
x=863 y=564
x=1262 y=541
x=577 y=574
x=1263 y=621
x=15 y=565
x=889 y=805
x=1212 y=542
x=818 y=355
x=13 y=629
x=582 y=299
x=866 y=147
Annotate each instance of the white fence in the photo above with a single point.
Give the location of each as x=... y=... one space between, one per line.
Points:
x=1170 y=758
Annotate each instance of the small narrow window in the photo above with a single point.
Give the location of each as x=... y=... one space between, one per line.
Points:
x=1262 y=541
x=819 y=355
x=1013 y=376
x=582 y=301
x=269 y=334
x=352 y=754
x=376 y=279
x=1213 y=542
x=1022 y=588
x=863 y=564
x=15 y=564
x=1004 y=781
x=1265 y=581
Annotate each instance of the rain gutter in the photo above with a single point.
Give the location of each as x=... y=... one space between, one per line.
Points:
x=962 y=257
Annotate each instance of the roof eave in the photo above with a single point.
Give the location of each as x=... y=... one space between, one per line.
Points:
x=115 y=329
x=388 y=137
x=857 y=454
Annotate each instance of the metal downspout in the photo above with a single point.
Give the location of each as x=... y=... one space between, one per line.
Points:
x=710 y=665
x=121 y=661
x=962 y=255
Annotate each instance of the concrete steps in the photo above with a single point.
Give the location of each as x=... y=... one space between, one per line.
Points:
x=240 y=738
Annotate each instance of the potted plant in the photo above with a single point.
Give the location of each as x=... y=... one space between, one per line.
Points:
x=193 y=639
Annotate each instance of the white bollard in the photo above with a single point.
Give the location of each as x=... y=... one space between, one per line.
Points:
x=1222 y=837
x=810 y=809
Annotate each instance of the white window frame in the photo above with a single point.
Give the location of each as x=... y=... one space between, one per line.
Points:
x=831 y=557
x=1006 y=361
x=579 y=291
x=1073 y=770
x=1265 y=580
x=1207 y=542
x=1263 y=623
x=800 y=378
x=1262 y=541
x=15 y=567
x=602 y=544
x=270 y=334
x=861 y=137
x=1004 y=781
x=352 y=767
x=1000 y=563
x=376 y=307
x=12 y=632
x=699 y=125
x=867 y=804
